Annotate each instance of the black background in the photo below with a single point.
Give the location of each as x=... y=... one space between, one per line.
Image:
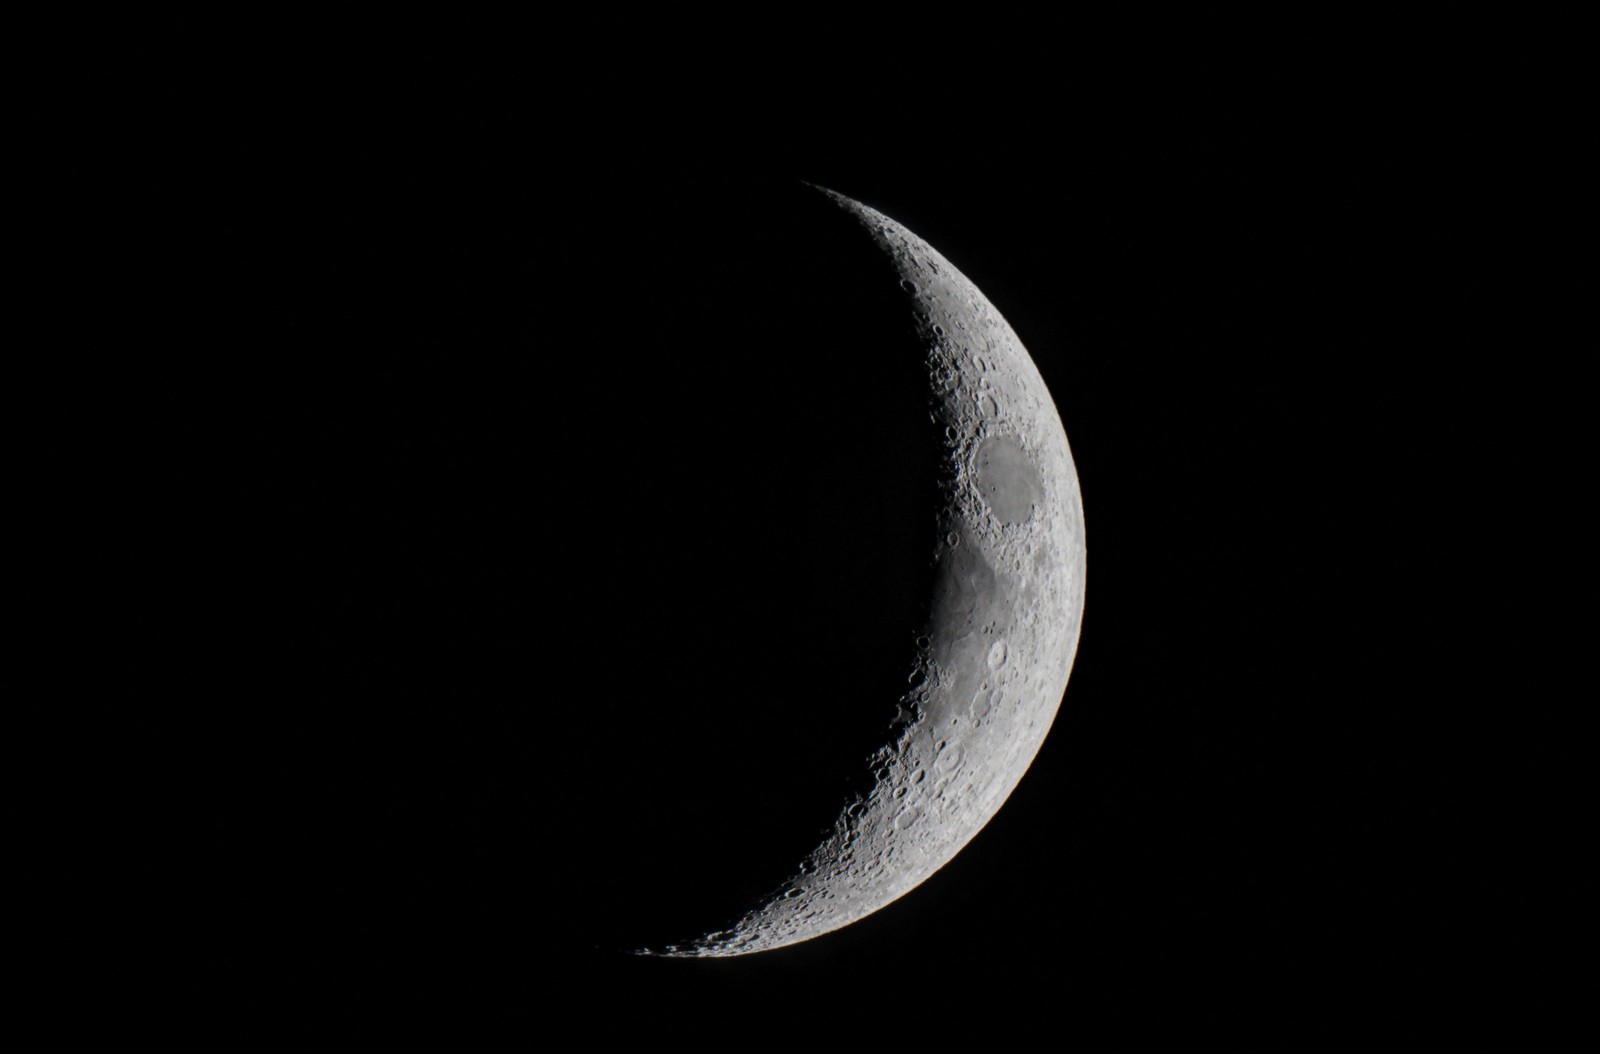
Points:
x=1255 y=297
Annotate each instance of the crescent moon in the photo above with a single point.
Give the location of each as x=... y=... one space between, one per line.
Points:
x=992 y=664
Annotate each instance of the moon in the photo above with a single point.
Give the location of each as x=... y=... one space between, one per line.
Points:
x=988 y=671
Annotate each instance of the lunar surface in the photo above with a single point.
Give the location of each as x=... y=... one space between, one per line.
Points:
x=987 y=672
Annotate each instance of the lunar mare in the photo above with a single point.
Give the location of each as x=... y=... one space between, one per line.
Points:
x=988 y=671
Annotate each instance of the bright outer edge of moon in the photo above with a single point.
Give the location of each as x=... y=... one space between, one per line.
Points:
x=990 y=669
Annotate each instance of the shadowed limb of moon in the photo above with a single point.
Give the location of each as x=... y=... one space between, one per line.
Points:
x=990 y=668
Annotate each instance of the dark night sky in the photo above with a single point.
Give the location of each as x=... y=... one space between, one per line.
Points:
x=1250 y=296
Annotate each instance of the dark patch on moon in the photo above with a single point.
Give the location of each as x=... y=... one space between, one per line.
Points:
x=971 y=609
x=1008 y=479
x=965 y=597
